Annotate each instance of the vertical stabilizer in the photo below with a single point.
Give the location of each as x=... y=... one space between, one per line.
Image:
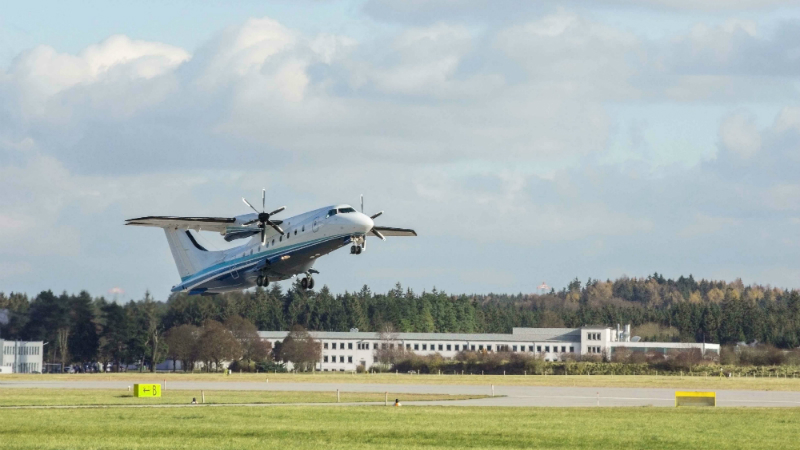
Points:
x=190 y=257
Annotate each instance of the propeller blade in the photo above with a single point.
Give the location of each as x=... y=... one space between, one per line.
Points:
x=263 y=199
x=275 y=227
x=277 y=210
x=251 y=206
x=263 y=236
x=250 y=222
x=377 y=233
x=362 y=203
x=374 y=216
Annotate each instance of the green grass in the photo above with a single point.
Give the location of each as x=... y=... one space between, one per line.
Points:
x=378 y=427
x=82 y=397
x=645 y=381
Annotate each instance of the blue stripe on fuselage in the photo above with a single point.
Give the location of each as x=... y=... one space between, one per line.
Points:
x=246 y=261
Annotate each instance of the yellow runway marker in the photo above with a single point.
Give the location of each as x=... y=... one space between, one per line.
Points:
x=147 y=390
x=692 y=398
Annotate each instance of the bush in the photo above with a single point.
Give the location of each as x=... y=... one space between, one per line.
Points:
x=270 y=366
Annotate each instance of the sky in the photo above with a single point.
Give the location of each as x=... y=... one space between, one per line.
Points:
x=524 y=141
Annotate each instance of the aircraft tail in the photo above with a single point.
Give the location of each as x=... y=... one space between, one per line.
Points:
x=190 y=256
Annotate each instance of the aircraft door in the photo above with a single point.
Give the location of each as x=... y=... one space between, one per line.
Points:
x=315 y=225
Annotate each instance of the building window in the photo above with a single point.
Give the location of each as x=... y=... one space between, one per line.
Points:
x=408 y=346
x=563 y=349
x=325 y=358
x=514 y=348
x=530 y=348
x=349 y=345
x=472 y=347
x=433 y=347
x=349 y=359
x=547 y=348
x=539 y=348
x=489 y=347
x=341 y=359
x=424 y=346
x=333 y=345
x=572 y=349
x=416 y=346
x=325 y=345
x=480 y=347
x=449 y=347
x=441 y=347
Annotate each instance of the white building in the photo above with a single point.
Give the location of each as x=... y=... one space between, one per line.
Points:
x=344 y=351
x=21 y=356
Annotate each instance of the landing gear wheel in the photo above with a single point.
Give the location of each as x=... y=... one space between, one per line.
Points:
x=353 y=250
x=260 y=281
x=310 y=283
x=358 y=250
x=304 y=283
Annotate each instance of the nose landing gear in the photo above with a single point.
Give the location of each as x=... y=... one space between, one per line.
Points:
x=359 y=245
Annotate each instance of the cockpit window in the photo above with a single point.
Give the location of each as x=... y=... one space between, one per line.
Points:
x=346 y=210
x=331 y=213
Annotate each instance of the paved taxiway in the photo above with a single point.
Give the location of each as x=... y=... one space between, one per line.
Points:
x=504 y=395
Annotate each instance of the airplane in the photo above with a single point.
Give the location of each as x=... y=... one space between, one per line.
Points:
x=277 y=249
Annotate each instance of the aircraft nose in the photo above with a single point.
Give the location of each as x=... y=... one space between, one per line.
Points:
x=363 y=222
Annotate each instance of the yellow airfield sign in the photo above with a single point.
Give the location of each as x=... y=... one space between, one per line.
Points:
x=693 y=398
x=147 y=390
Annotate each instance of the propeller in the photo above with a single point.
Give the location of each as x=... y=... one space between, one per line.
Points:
x=373 y=231
x=263 y=217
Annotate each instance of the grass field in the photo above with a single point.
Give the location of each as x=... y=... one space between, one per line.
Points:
x=378 y=427
x=645 y=381
x=80 y=397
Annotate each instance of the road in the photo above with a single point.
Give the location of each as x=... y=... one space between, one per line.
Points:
x=519 y=396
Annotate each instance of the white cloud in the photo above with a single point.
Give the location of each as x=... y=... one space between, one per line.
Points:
x=740 y=135
x=41 y=73
x=447 y=127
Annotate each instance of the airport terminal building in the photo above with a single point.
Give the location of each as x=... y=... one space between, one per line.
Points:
x=21 y=356
x=344 y=351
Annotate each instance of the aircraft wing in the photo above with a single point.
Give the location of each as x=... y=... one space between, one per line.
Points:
x=218 y=224
x=390 y=231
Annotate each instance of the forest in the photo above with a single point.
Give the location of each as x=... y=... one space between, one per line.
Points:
x=85 y=328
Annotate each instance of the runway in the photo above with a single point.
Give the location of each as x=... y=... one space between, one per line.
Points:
x=510 y=396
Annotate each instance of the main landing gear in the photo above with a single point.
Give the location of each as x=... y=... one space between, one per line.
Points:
x=262 y=281
x=308 y=281
x=356 y=250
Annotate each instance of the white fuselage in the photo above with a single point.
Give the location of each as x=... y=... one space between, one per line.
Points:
x=306 y=237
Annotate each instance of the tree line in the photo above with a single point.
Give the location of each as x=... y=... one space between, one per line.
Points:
x=82 y=328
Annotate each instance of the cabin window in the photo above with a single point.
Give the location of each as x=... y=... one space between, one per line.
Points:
x=295 y=232
x=304 y=229
x=280 y=239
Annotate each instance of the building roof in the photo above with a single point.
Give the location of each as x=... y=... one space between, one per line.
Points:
x=536 y=335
